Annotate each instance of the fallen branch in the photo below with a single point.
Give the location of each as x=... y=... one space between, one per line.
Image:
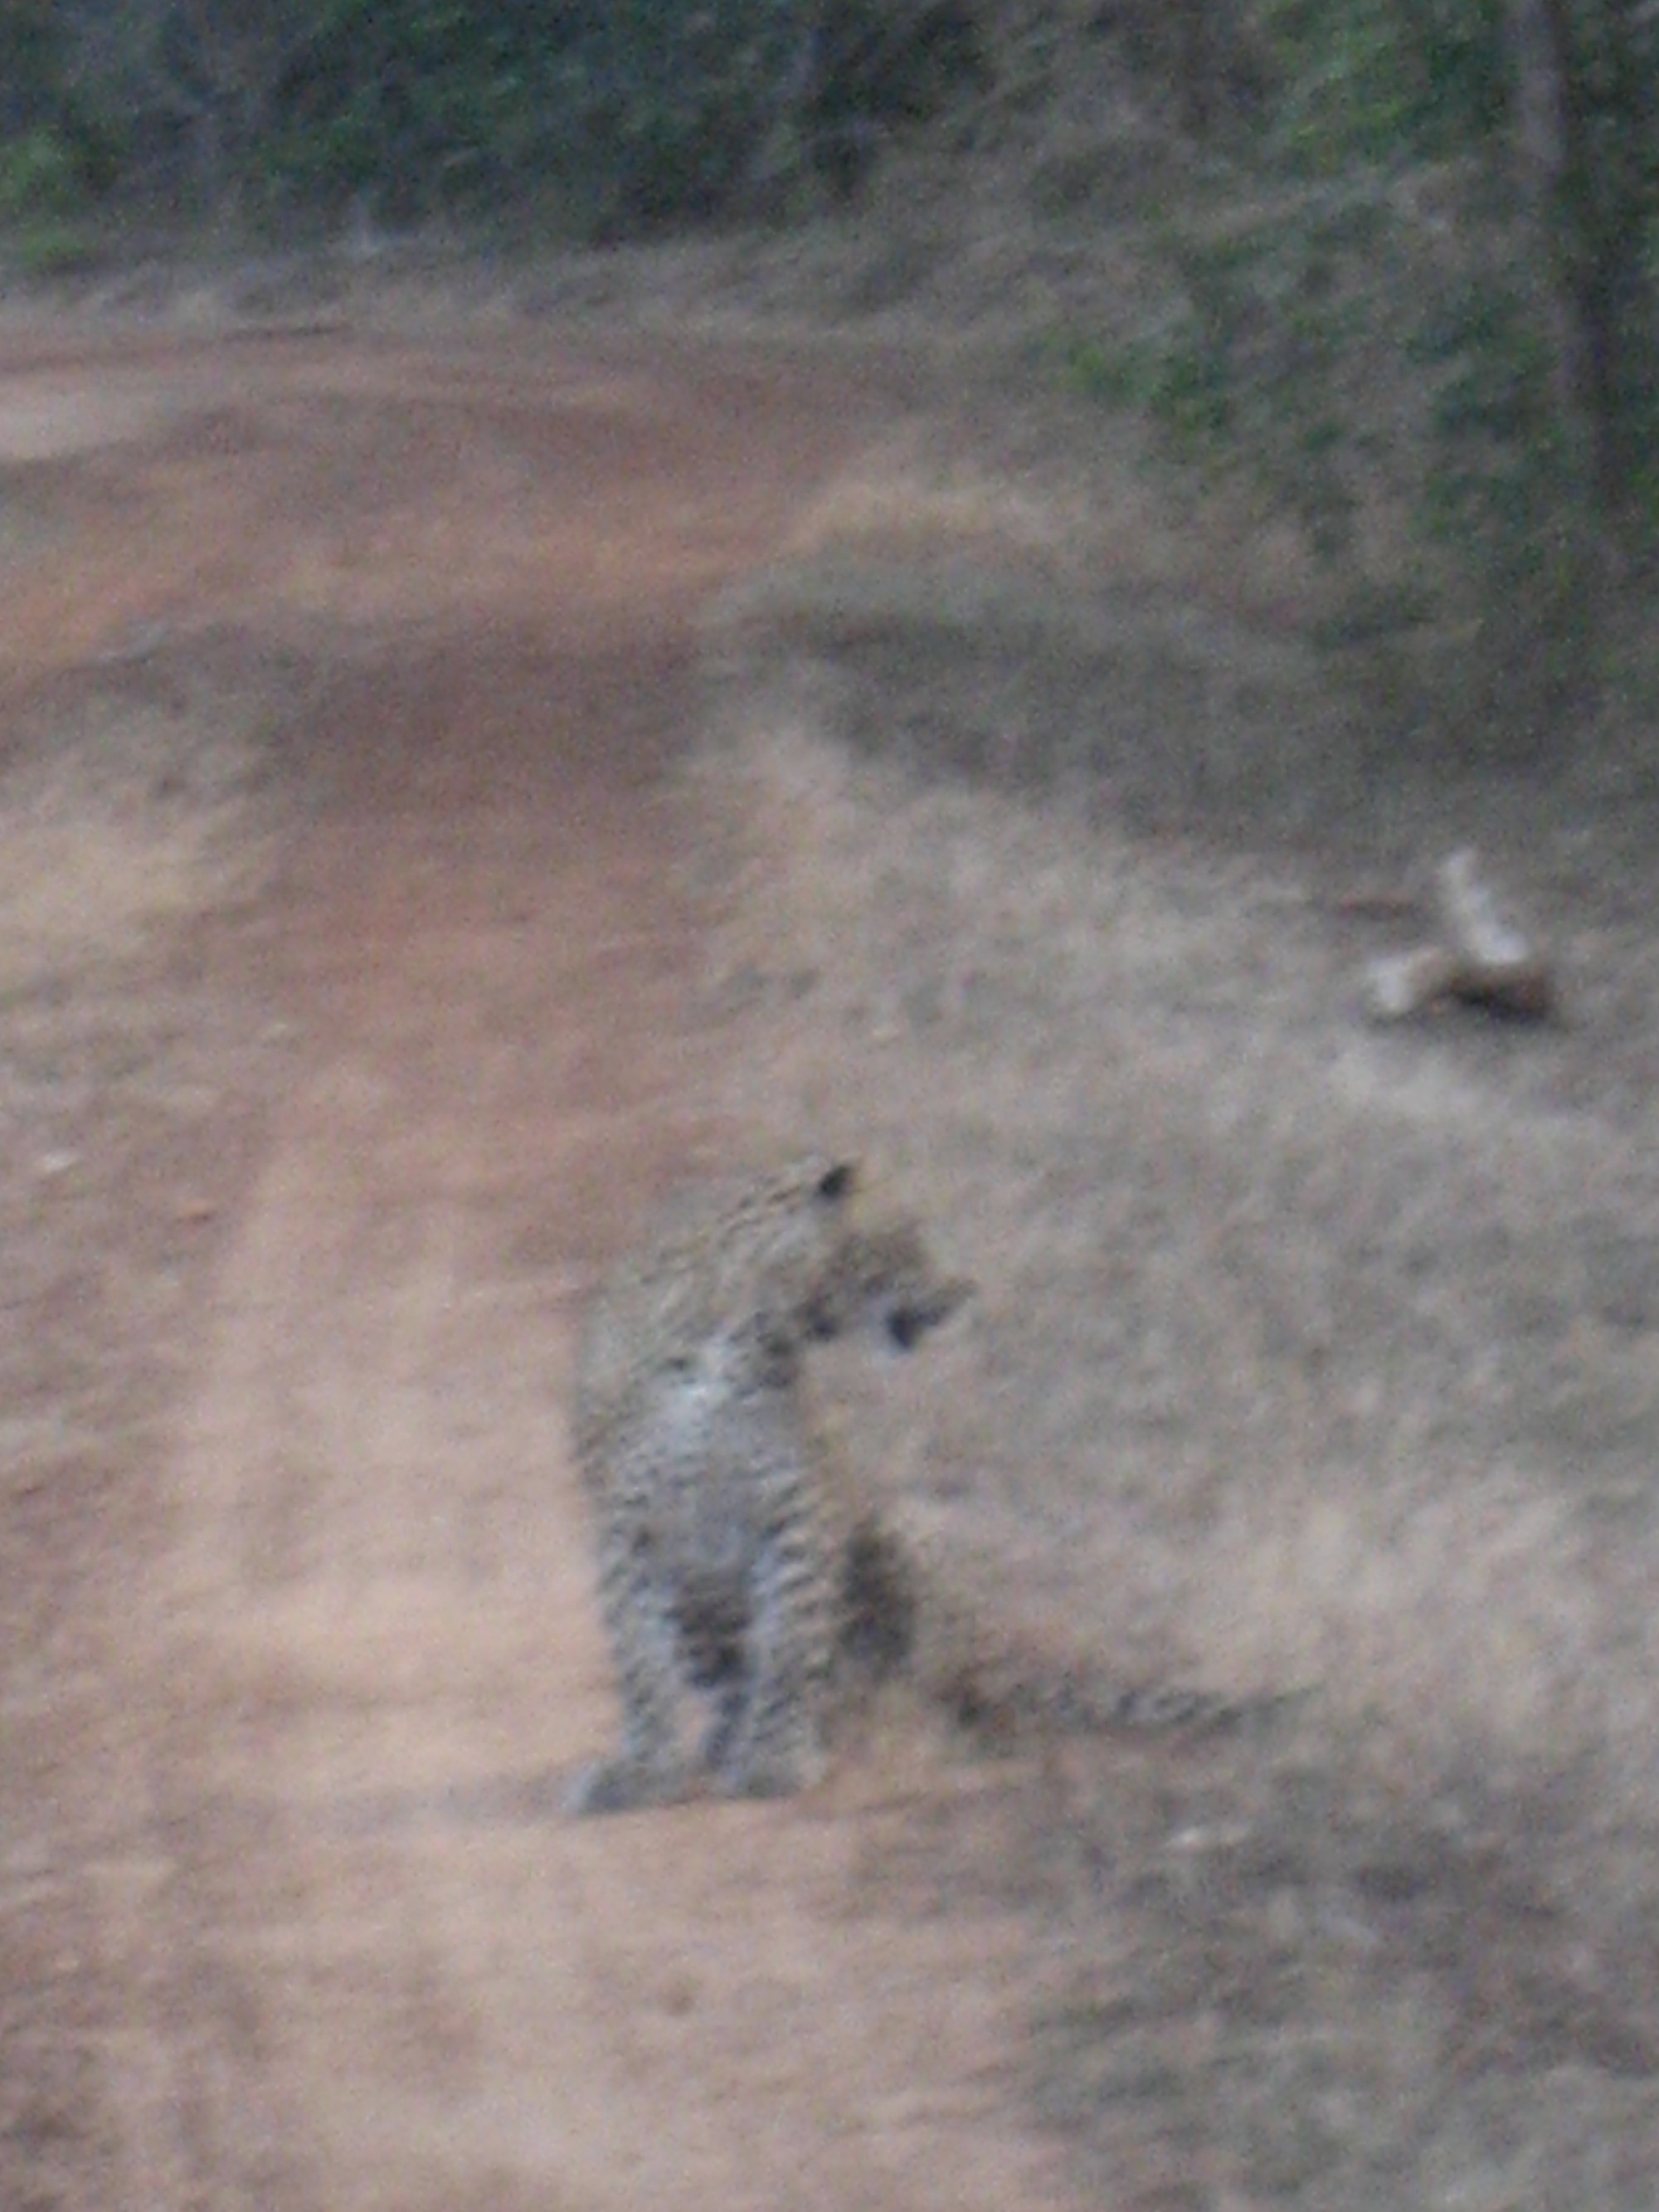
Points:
x=1485 y=959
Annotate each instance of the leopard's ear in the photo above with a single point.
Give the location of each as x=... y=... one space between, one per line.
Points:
x=836 y=1183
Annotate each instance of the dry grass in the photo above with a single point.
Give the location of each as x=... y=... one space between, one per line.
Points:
x=131 y=801
x=1310 y=1358
x=125 y=808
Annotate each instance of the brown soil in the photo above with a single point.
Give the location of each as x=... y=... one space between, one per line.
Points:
x=300 y=1637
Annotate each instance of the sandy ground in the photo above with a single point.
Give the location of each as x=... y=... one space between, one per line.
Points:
x=299 y=1634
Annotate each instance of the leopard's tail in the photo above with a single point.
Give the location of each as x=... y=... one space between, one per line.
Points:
x=910 y=1605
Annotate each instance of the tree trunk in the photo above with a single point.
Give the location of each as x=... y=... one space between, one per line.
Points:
x=1196 y=66
x=1540 y=151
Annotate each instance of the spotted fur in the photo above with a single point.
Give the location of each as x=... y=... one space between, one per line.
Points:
x=723 y=1546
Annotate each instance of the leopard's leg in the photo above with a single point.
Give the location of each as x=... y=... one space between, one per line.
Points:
x=731 y=1701
x=637 y=1603
x=774 y=1744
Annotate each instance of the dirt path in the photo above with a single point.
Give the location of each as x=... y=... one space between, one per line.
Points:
x=344 y=1952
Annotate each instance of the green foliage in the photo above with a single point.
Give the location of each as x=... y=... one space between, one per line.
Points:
x=38 y=178
x=33 y=60
x=668 y=105
x=42 y=204
x=631 y=114
x=1372 y=81
x=1253 y=360
x=425 y=107
x=1373 y=307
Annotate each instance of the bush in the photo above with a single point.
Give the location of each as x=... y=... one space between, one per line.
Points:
x=42 y=204
x=634 y=114
x=1424 y=284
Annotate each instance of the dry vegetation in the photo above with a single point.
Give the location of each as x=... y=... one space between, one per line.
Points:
x=1316 y=1368
x=132 y=800
x=1310 y=1358
x=124 y=811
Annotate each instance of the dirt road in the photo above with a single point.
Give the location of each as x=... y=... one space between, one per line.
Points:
x=290 y=1916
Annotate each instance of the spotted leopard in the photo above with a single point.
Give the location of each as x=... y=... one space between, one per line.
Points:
x=724 y=1548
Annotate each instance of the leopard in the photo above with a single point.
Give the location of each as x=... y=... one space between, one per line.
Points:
x=728 y=1553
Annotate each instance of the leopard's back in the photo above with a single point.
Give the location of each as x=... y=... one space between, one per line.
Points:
x=719 y=1537
x=724 y=1264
